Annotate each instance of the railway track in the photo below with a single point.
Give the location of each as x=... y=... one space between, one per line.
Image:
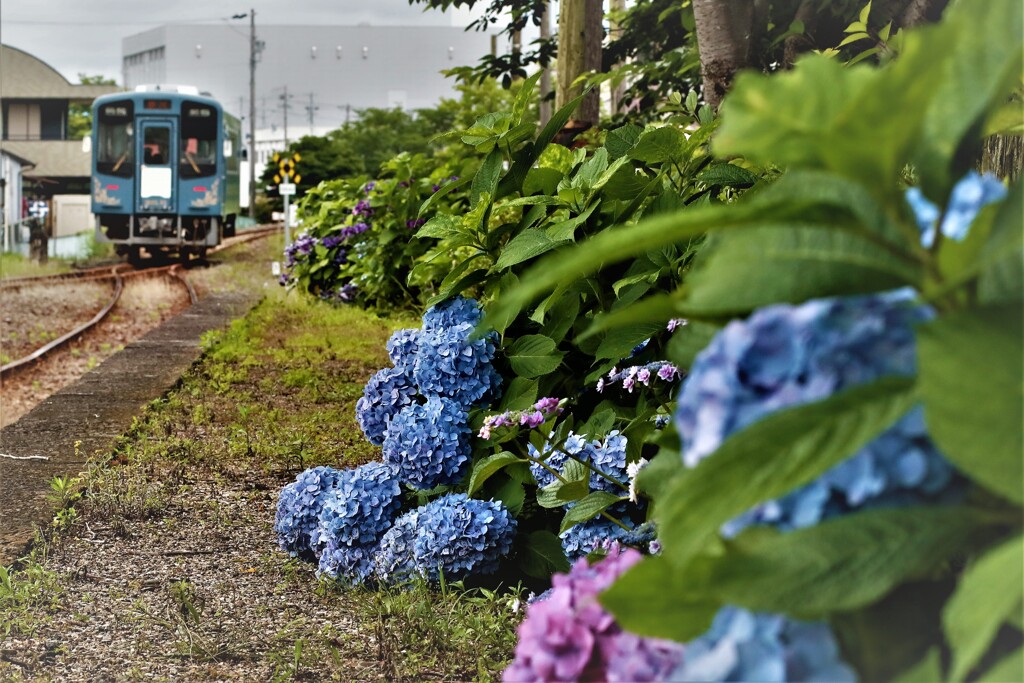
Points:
x=118 y=274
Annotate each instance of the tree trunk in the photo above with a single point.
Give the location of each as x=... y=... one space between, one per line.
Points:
x=545 y=76
x=579 y=51
x=617 y=7
x=1003 y=155
x=724 y=32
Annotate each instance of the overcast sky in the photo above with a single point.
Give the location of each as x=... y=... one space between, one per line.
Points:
x=84 y=36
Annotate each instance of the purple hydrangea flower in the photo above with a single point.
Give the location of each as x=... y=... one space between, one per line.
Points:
x=568 y=636
x=630 y=376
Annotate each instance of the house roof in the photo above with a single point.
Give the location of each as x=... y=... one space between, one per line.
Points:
x=23 y=76
x=52 y=158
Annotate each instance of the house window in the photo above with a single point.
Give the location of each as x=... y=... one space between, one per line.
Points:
x=24 y=121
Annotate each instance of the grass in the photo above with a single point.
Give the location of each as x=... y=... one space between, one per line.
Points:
x=274 y=393
x=16 y=265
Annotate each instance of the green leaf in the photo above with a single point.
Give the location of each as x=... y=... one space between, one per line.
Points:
x=984 y=46
x=690 y=340
x=622 y=139
x=659 y=145
x=1009 y=668
x=842 y=563
x=800 y=444
x=492 y=464
x=599 y=424
x=440 y=226
x=854 y=37
x=656 y=309
x=728 y=175
x=526 y=94
x=741 y=271
x=564 y=231
x=520 y=394
x=655 y=476
x=587 y=508
x=970 y=371
x=533 y=355
x=445 y=190
x=928 y=670
x=656 y=599
x=542 y=554
x=573 y=490
x=626 y=183
x=512 y=494
x=523 y=247
x=989 y=592
x=619 y=343
x=542 y=181
x=1002 y=257
x=486 y=179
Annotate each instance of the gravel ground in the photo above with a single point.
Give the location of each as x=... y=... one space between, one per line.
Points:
x=36 y=314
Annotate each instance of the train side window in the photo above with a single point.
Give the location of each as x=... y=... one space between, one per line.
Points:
x=199 y=140
x=114 y=153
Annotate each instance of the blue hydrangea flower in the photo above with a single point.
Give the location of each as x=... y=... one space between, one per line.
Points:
x=609 y=456
x=348 y=564
x=298 y=508
x=402 y=347
x=973 y=192
x=428 y=444
x=452 y=312
x=362 y=506
x=785 y=356
x=384 y=396
x=459 y=536
x=394 y=558
x=584 y=538
x=448 y=363
x=745 y=646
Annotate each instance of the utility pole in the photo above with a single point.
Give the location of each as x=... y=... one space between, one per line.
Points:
x=284 y=99
x=310 y=109
x=252 y=113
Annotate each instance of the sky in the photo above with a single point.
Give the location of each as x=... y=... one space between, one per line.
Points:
x=84 y=36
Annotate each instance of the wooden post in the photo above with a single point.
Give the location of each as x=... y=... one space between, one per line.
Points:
x=579 y=51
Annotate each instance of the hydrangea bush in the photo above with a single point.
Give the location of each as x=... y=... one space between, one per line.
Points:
x=298 y=509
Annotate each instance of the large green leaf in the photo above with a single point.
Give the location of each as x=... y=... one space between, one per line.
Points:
x=486 y=179
x=989 y=592
x=772 y=457
x=928 y=670
x=587 y=508
x=541 y=554
x=619 y=343
x=520 y=394
x=1002 y=257
x=971 y=386
x=1009 y=668
x=656 y=599
x=533 y=355
x=492 y=464
x=659 y=145
x=523 y=247
x=986 y=47
x=745 y=270
x=843 y=563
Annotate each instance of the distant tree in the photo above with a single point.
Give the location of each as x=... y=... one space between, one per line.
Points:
x=80 y=115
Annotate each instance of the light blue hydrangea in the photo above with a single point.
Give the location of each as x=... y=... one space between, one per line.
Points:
x=784 y=356
x=387 y=392
x=454 y=535
x=348 y=564
x=402 y=347
x=394 y=559
x=972 y=193
x=745 y=646
x=298 y=508
x=607 y=455
x=461 y=536
x=362 y=506
x=449 y=363
x=584 y=538
x=428 y=444
x=454 y=311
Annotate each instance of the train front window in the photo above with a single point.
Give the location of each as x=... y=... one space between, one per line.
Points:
x=199 y=126
x=157 y=143
x=115 y=139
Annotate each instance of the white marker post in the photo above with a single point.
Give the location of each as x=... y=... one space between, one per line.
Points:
x=286 y=190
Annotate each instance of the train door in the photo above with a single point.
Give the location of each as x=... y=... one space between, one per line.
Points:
x=157 y=184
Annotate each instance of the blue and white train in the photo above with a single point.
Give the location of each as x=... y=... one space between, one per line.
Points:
x=165 y=163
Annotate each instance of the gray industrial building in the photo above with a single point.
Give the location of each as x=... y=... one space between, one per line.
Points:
x=328 y=71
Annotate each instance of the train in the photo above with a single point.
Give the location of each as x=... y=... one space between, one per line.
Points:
x=165 y=172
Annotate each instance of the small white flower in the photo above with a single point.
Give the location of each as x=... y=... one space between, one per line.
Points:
x=632 y=470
